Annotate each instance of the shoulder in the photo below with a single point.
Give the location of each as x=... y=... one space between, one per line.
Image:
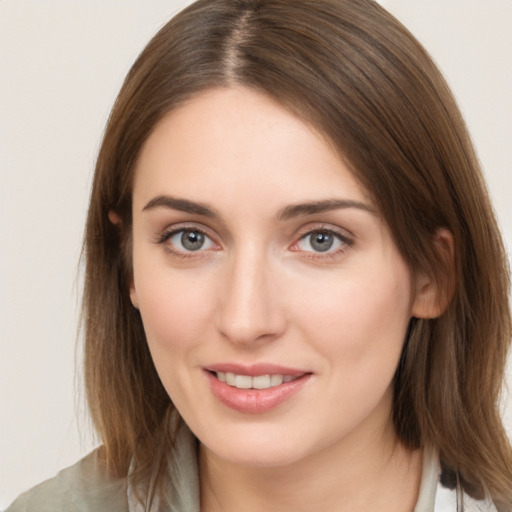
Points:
x=83 y=487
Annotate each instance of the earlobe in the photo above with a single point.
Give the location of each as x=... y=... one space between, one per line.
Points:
x=133 y=296
x=432 y=297
x=114 y=218
x=426 y=303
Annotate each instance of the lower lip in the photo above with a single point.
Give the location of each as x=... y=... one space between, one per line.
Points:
x=255 y=401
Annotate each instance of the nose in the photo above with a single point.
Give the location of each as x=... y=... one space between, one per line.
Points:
x=249 y=309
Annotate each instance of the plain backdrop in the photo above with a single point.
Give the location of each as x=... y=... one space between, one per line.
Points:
x=61 y=65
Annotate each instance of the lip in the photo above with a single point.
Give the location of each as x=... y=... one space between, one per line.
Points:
x=255 y=401
x=254 y=370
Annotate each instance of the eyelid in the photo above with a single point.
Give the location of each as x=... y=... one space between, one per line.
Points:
x=343 y=235
x=167 y=233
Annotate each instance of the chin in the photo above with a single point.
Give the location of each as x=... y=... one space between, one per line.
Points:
x=246 y=456
x=256 y=448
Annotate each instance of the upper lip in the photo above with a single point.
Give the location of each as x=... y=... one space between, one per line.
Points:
x=253 y=370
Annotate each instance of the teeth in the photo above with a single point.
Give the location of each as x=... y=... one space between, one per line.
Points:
x=261 y=382
x=258 y=382
x=277 y=380
x=243 y=382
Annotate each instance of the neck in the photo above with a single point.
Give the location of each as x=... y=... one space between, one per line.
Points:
x=376 y=474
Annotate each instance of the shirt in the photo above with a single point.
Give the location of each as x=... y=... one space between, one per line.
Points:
x=86 y=487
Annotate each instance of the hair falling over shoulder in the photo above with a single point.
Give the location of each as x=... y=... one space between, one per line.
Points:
x=356 y=74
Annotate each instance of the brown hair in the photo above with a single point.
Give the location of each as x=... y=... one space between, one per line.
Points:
x=355 y=73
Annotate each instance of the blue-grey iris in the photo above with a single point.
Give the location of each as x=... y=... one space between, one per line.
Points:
x=322 y=242
x=192 y=240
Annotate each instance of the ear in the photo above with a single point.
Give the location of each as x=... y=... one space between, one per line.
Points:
x=432 y=298
x=133 y=295
x=114 y=218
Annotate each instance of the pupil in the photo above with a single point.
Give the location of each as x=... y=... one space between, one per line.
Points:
x=192 y=240
x=322 y=242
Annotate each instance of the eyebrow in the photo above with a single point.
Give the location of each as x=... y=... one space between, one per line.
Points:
x=182 y=205
x=286 y=213
x=310 y=208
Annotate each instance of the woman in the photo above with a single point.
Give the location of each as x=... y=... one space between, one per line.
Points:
x=296 y=295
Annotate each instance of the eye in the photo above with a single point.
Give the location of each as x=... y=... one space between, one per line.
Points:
x=321 y=241
x=189 y=240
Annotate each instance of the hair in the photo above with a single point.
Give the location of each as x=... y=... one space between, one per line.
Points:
x=351 y=70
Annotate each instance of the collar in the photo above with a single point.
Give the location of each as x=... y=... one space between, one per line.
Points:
x=434 y=497
x=182 y=493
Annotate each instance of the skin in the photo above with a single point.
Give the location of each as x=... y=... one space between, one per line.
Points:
x=257 y=291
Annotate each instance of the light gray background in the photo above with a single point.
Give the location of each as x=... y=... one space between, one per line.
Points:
x=61 y=65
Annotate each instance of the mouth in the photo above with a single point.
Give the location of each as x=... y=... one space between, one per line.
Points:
x=257 y=388
x=241 y=381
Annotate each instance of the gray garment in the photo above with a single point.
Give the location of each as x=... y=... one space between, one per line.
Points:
x=85 y=487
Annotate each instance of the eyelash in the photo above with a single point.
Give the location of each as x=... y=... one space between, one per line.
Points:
x=345 y=241
x=343 y=238
x=168 y=234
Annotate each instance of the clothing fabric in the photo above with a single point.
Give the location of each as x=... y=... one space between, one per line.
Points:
x=86 y=487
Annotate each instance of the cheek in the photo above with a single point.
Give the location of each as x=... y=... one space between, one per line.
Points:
x=175 y=314
x=174 y=306
x=361 y=336
x=360 y=322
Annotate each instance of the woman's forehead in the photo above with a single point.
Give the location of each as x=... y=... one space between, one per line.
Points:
x=237 y=143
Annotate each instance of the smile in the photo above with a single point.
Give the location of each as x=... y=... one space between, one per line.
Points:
x=255 y=389
x=256 y=382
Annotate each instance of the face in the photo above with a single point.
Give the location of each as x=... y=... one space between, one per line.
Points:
x=274 y=300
